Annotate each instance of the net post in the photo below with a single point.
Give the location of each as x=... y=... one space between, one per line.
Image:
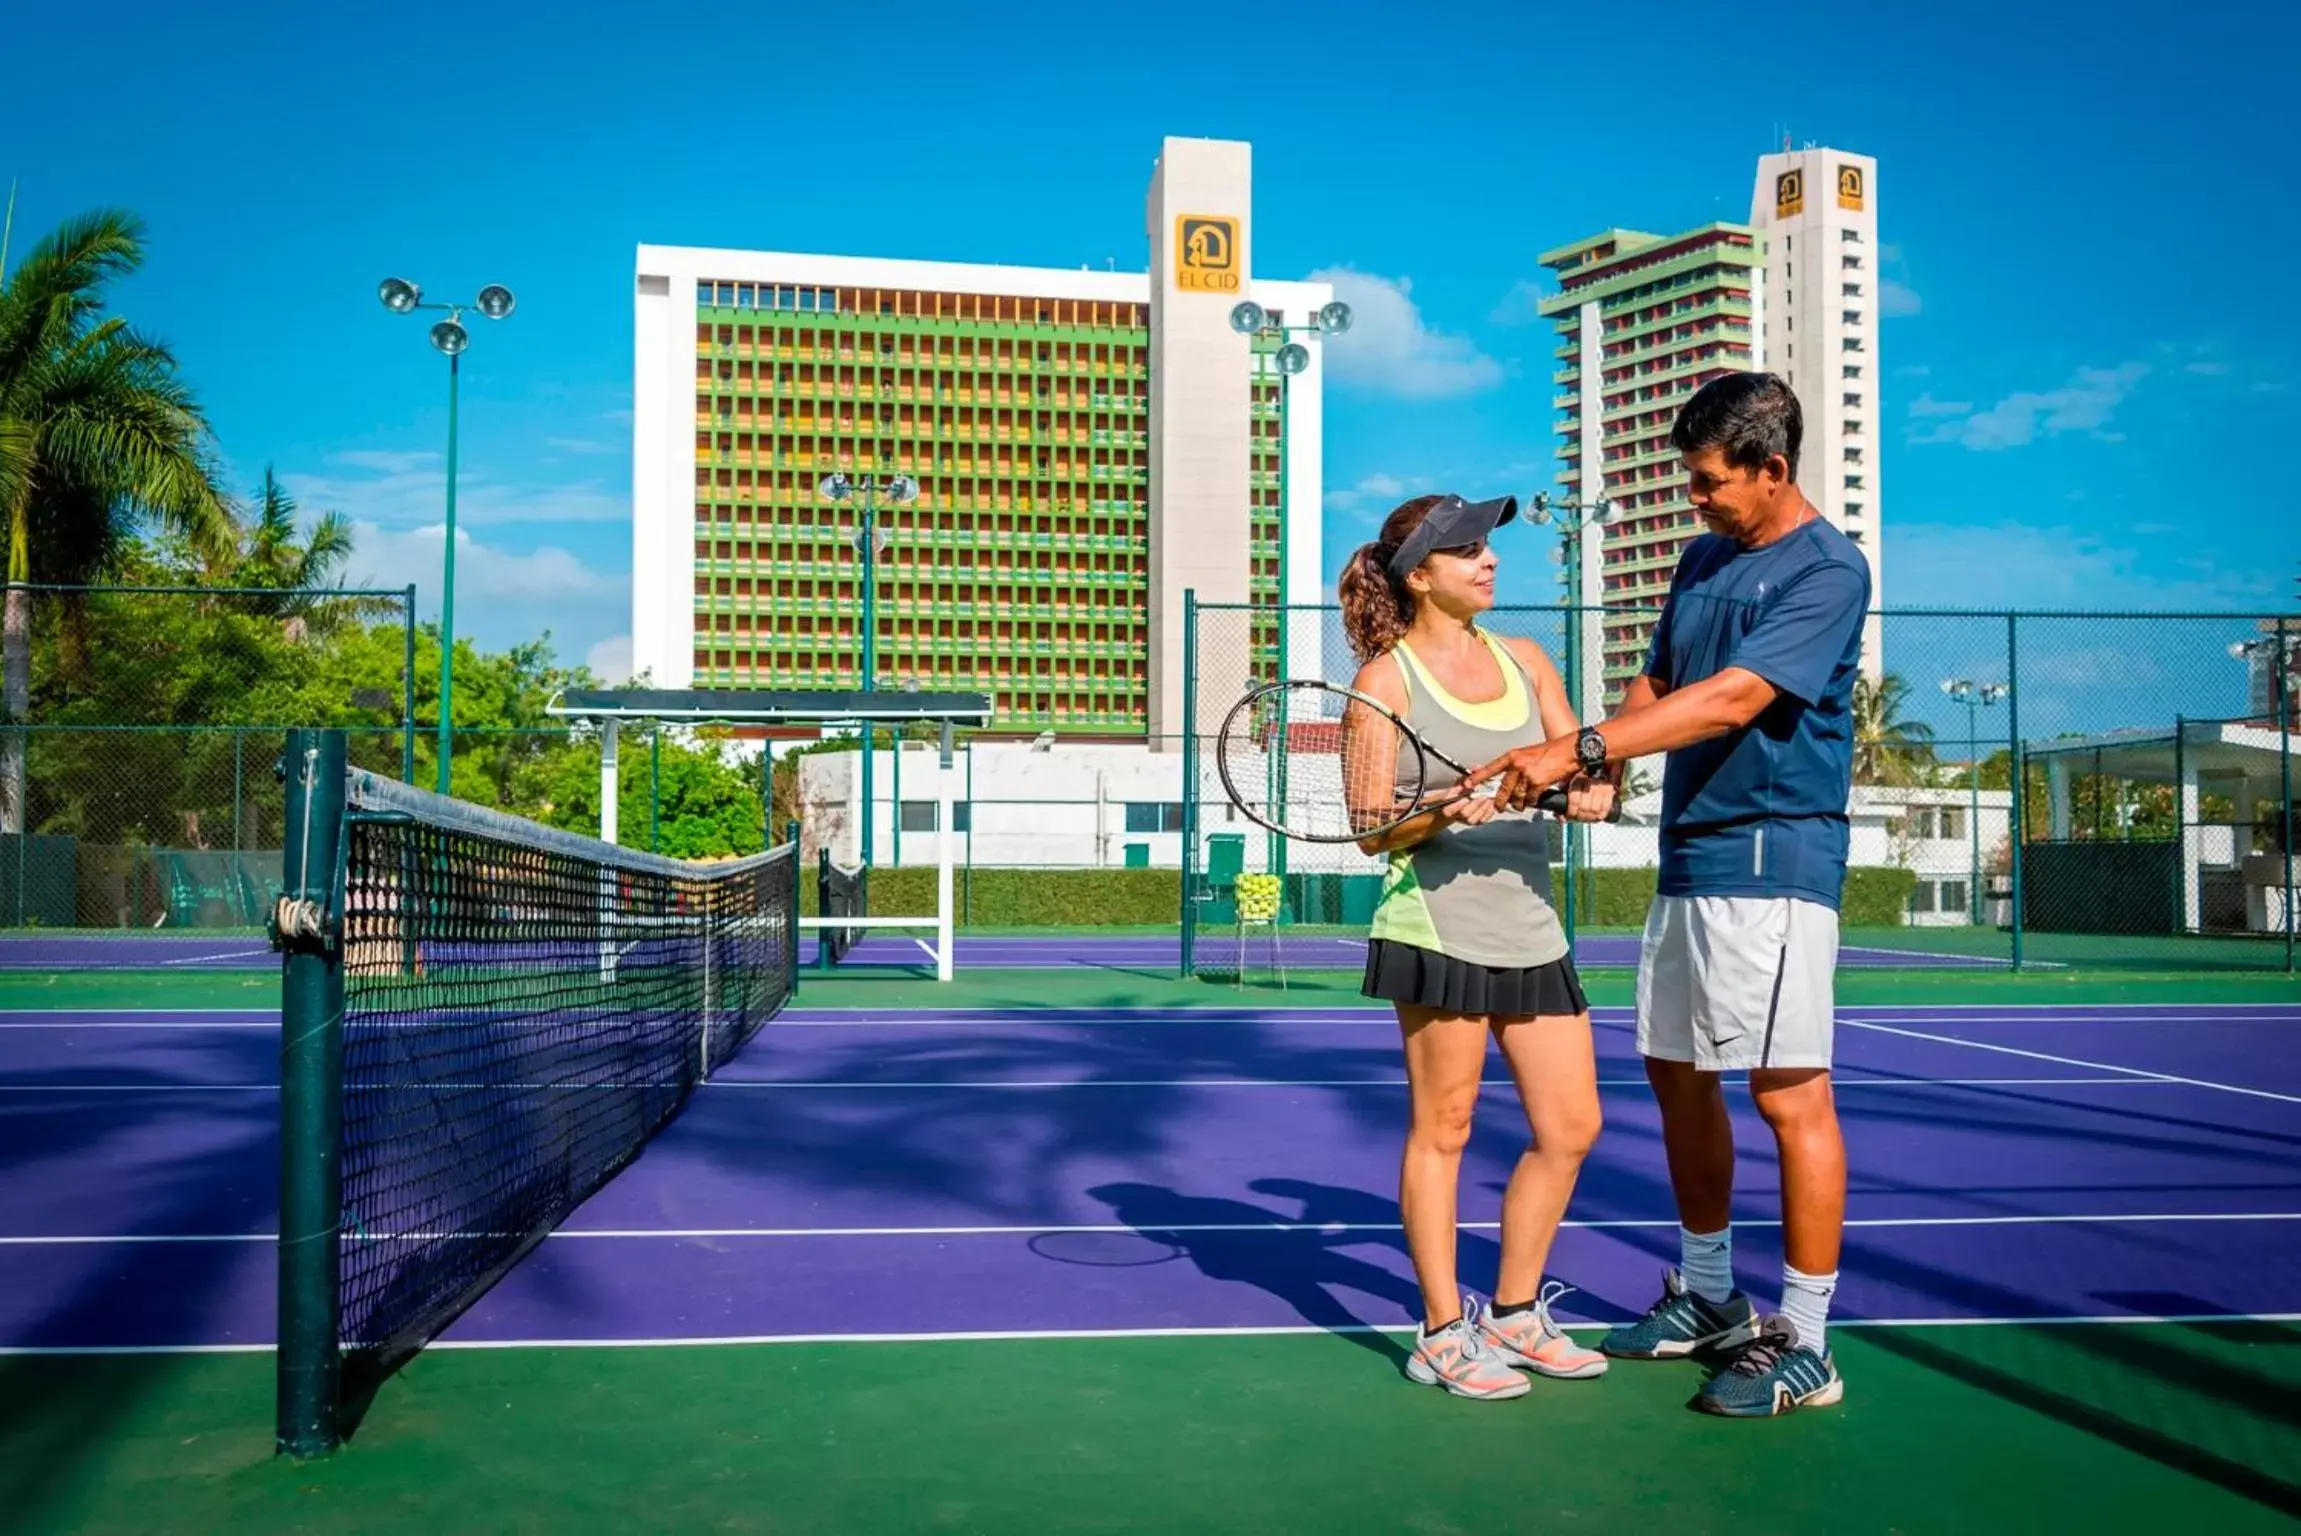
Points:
x=407 y=687
x=307 y=926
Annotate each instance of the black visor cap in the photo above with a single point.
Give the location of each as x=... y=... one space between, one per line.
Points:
x=1452 y=524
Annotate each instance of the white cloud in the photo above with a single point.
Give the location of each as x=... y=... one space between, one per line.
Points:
x=610 y=660
x=2084 y=404
x=1927 y=405
x=408 y=490
x=1389 y=350
x=2207 y=368
x=1897 y=299
x=1520 y=306
x=582 y=445
x=502 y=597
x=1375 y=487
x=2027 y=566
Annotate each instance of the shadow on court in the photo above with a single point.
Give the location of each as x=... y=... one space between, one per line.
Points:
x=1302 y=1265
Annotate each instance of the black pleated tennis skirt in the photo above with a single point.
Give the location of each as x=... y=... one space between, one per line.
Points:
x=1406 y=973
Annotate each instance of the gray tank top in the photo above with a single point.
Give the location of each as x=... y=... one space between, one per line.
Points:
x=1480 y=894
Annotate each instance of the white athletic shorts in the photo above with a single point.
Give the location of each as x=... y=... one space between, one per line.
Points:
x=1734 y=982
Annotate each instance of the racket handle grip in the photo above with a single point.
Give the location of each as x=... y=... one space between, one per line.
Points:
x=1554 y=801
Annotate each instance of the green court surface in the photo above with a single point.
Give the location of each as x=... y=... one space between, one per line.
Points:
x=2066 y=1428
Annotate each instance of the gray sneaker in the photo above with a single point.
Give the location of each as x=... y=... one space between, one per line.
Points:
x=1530 y=1341
x=1681 y=1323
x=1459 y=1358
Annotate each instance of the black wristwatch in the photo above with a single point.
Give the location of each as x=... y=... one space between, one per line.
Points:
x=1590 y=750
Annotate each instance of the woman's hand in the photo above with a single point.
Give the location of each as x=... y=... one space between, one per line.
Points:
x=1469 y=810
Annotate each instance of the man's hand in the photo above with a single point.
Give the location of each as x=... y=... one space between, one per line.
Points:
x=1527 y=771
x=1589 y=799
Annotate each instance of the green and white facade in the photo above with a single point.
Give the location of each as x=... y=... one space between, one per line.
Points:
x=1088 y=444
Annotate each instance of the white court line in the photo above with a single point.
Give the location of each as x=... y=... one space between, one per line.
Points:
x=1020 y=1336
x=2144 y=1080
x=1082 y=1229
x=2072 y=1061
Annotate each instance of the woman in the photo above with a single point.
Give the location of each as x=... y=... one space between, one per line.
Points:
x=1465 y=941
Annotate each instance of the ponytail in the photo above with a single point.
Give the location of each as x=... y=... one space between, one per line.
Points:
x=1376 y=607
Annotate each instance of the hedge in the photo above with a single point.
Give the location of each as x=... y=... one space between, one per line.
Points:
x=1094 y=898
x=1026 y=898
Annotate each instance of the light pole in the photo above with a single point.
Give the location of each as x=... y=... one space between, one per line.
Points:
x=1292 y=357
x=870 y=541
x=1572 y=518
x=1974 y=696
x=402 y=297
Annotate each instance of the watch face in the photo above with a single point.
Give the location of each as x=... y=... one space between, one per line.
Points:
x=1591 y=748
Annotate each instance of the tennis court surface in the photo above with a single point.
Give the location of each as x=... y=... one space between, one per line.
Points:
x=1080 y=1251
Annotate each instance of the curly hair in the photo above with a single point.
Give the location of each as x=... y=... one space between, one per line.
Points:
x=1376 y=606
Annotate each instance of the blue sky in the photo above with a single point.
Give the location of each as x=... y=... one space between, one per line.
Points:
x=2092 y=241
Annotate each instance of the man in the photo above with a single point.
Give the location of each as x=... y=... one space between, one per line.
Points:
x=1749 y=689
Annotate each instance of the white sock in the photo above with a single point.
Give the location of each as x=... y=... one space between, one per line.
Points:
x=1806 y=1302
x=1706 y=1260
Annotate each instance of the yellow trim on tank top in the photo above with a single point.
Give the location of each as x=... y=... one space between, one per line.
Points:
x=1510 y=712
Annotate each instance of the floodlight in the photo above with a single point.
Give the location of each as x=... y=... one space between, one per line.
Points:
x=495 y=301
x=1293 y=358
x=1334 y=319
x=450 y=337
x=834 y=485
x=398 y=294
x=1246 y=317
x=902 y=488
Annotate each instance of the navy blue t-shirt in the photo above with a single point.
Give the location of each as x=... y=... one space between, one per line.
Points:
x=1762 y=811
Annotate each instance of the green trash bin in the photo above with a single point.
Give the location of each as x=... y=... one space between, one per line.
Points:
x=1225 y=861
x=1138 y=856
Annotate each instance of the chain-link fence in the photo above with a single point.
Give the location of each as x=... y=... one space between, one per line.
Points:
x=139 y=729
x=2153 y=830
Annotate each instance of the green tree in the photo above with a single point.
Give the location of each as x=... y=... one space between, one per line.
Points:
x=98 y=432
x=1889 y=749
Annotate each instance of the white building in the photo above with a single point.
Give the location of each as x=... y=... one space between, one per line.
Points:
x=1087 y=445
x=1818 y=211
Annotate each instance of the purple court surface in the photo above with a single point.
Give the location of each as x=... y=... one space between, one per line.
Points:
x=940 y=1172
x=1160 y=953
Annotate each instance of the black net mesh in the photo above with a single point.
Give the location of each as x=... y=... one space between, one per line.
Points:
x=523 y=1010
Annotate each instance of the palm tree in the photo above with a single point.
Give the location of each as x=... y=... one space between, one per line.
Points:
x=97 y=433
x=1889 y=749
x=296 y=567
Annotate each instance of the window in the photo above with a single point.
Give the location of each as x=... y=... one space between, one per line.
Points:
x=1853 y=455
x=918 y=816
x=1853 y=482
x=1851 y=316
x=1852 y=397
x=1850 y=236
x=1154 y=815
x=1855 y=508
x=1851 y=290
x=1851 y=371
x=1851 y=428
x=1850 y=263
x=1921 y=822
x=1851 y=344
x=1953 y=896
x=1922 y=897
x=1952 y=820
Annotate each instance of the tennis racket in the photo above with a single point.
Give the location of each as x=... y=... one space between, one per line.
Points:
x=1322 y=763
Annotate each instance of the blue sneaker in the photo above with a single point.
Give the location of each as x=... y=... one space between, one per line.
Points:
x=1681 y=1323
x=1772 y=1374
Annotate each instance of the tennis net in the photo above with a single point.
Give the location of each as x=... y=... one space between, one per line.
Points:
x=524 y=1009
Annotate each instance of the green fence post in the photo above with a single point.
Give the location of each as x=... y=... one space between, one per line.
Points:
x=655 y=789
x=2281 y=668
x=967 y=882
x=407 y=689
x=307 y=927
x=1189 y=915
x=2180 y=825
x=2017 y=799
